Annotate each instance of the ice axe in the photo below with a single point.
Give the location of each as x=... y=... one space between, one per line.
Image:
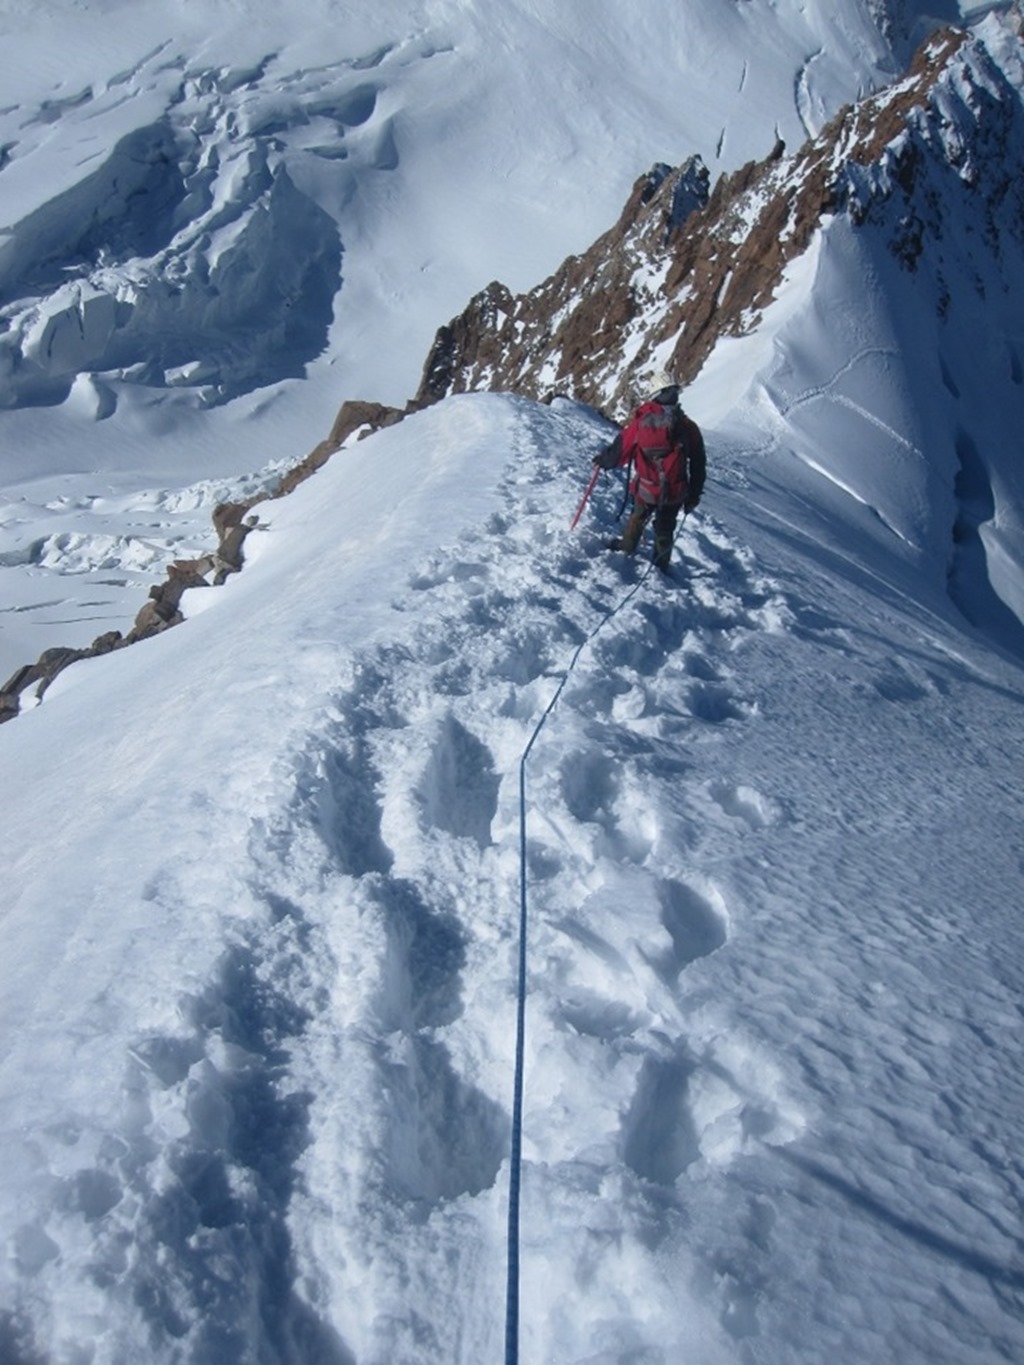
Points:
x=585 y=498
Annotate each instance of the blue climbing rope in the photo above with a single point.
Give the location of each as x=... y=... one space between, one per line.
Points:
x=515 y=1171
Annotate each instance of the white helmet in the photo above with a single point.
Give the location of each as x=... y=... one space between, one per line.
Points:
x=657 y=381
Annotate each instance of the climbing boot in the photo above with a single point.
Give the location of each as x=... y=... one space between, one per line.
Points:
x=634 y=530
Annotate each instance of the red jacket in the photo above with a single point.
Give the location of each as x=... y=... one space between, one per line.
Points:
x=667 y=451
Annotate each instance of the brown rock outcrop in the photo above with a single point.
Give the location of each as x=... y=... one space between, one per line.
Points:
x=681 y=268
x=161 y=611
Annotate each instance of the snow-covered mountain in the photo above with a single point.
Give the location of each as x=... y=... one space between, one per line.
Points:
x=267 y=872
x=183 y=188
x=925 y=176
x=925 y=163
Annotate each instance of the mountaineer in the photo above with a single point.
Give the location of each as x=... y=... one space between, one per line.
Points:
x=666 y=450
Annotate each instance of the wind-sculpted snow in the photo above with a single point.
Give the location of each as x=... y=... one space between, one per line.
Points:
x=770 y=1087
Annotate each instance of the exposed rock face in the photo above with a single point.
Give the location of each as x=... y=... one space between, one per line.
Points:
x=682 y=267
x=356 y=418
x=47 y=666
x=567 y=335
x=232 y=524
x=952 y=130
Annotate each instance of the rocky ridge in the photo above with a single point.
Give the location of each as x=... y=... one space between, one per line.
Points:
x=685 y=265
x=162 y=609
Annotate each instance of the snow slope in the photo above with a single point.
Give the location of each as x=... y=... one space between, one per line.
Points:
x=771 y=1088
x=201 y=203
x=261 y=898
x=889 y=374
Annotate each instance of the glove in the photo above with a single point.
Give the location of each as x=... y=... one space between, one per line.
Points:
x=691 y=503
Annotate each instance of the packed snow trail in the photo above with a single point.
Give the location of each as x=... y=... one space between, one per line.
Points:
x=770 y=1095
x=515 y=1159
x=498 y=619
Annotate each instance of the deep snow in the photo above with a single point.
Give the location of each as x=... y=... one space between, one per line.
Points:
x=180 y=183
x=772 y=1091
x=261 y=900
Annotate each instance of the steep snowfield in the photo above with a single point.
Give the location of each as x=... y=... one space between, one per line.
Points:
x=258 y=1007
x=200 y=202
x=262 y=887
x=902 y=387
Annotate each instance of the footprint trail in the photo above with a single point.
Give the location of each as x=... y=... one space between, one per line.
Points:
x=339 y=1092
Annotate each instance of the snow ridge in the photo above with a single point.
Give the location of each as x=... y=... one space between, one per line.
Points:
x=302 y=1153
x=379 y=936
x=256 y=1054
x=422 y=827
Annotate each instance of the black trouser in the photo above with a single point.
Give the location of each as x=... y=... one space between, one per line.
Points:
x=665 y=518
